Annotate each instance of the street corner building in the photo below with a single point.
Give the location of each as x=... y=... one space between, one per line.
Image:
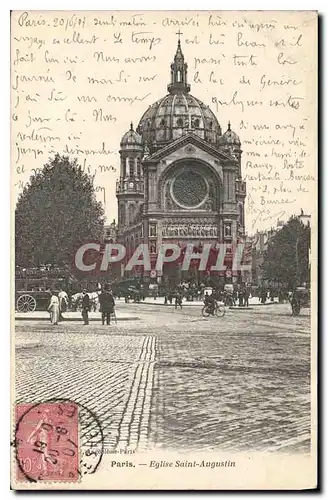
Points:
x=180 y=177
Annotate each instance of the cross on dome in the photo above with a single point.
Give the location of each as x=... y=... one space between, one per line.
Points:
x=178 y=72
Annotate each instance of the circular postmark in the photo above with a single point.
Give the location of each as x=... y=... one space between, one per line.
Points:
x=57 y=440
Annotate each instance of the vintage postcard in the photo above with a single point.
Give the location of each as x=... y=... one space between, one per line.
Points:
x=164 y=242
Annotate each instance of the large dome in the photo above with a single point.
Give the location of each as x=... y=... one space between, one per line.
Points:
x=176 y=114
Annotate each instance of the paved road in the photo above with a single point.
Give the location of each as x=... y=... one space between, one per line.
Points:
x=175 y=380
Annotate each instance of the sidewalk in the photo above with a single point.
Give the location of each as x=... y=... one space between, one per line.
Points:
x=71 y=316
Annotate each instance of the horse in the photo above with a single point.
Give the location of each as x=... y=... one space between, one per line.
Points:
x=76 y=301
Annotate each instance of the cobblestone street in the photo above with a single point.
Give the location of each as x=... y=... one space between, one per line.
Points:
x=175 y=380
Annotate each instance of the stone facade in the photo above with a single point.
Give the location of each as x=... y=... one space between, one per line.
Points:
x=180 y=178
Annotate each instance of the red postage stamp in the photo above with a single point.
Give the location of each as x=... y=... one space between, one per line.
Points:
x=47 y=447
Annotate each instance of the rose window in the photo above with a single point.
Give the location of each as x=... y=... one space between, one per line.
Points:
x=189 y=189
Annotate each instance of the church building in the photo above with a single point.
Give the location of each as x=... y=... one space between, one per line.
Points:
x=180 y=177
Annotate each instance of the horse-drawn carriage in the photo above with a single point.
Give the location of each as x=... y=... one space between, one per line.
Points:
x=33 y=286
x=131 y=289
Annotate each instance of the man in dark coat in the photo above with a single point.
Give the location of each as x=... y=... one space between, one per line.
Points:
x=178 y=299
x=107 y=305
x=246 y=297
x=85 y=307
x=264 y=295
x=234 y=296
x=240 y=297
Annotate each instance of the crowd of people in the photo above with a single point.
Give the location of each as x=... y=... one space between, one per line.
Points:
x=190 y=289
x=232 y=295
x=59 y=304
x=237 y=295
x=103 y=300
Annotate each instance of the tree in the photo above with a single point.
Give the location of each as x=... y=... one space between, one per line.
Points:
x=55 y=214
x=286 y=259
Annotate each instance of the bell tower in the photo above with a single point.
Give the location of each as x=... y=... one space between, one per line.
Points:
x=130 y=186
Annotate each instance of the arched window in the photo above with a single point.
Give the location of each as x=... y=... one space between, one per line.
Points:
x=196 y=123
x=131 y=213
x=180 y=122
x=210 y=126
x=162 y=123
x=122 y=214
x=179 y=76
x=138 y=168
x=123 y=167
x=131 y=167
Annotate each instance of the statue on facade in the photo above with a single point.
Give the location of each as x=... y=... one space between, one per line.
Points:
x=209 y=204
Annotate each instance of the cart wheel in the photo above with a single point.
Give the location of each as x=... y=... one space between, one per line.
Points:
x=220 y=311
x=26 y=303
x=205 y=312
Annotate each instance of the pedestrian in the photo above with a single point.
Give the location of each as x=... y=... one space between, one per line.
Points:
x=264 y=294
x=240 y=297
x=54 y=309
x=85 y=307
x=155 y=292
x=178 y=300
x=107 y=304
x=63 y=303
x=234 y=297
x=246 y=297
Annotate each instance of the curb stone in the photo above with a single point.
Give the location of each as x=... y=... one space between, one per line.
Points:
x=79 y=320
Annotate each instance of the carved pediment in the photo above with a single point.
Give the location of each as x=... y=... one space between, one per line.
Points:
x=189 y=144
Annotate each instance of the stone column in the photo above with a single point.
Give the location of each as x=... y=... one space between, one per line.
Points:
x=122 y=172
x=234 y=231
x=232 y=179
x=127 y=167
x=136 y=167
x=225 y=186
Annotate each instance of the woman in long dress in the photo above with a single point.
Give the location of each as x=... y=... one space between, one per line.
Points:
x=54 y=309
